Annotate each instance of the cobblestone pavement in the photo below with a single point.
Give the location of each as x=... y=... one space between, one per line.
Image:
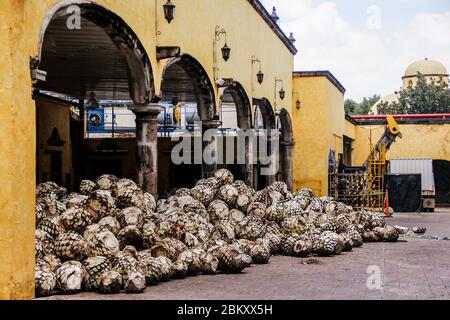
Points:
x=411 y=269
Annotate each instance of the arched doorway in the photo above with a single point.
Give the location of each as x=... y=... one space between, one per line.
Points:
x=84 y=48
x=236 y=114
x=441 y=170
x=186 y=87
x=264 y=112
x=286 y=144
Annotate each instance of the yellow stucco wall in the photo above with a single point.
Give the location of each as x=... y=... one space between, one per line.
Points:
x=52 y=115
x=318 y=128
x=17 y=161
x=419 y=141
x=192 y=30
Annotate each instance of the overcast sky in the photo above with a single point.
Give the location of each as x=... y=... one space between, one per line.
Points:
x=367 y=45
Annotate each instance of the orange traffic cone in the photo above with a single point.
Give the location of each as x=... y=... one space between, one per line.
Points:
x=388 y=214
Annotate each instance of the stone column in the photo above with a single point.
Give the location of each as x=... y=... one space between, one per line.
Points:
x=209 y=169
x=147 y=145
x=270 y=179
x=249 y=144
x=288 y=168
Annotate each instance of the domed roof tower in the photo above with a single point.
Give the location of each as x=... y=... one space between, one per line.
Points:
x=431 y=69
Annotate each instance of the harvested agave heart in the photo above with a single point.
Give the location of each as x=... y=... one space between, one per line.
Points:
x=71 y=246
x=87 y=187
x=130 y=235
x=103 y=243
x=53 y=226
x=134 y=282
x=46 y=243
x=95 y=268
x=231 y=260
x=45 y=281
x=101 y=204
x=71 y=277
x=210 y=263
x=51 y=262
x=111 y=224
x=225 y=176
x=180 y=269
x=107 y=182
x=76 y=219
x=203 y=193
x=260 y=254
x=110 y=282
x=219 y=225
x=131 y=216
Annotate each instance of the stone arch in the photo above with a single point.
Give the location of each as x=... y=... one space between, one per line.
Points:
x=266 y=109
x=140 y=74
x=243 y=106
x=235 y=94
x=286 y=144
x=101 y=54
x=269 y=122
x=202 y=85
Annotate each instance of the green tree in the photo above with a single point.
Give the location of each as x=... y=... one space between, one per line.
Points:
x=424 y=98
x=366 y=106
x=350 y=106
x=354 y=108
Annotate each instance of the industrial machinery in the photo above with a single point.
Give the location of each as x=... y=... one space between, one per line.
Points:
x=362 y=187
x=376 y=162
x=423 y=167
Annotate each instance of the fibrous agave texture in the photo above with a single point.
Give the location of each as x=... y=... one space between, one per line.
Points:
x=71 y=246
x=110 y=282
x=102 y=243
x=100 y=204
x=225 y=176
x=229 y=194
x=76 y=219
x=95 y=268
x=107 y=182
x=220 y=225
x=45 y=280
x=87 y=187
x=71 y=277
x=46 y=243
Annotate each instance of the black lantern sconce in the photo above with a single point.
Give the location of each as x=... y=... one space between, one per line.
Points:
x=259 y=75
x=281 y=93
x=298 y=103
x=169 y=9
x=226 y=51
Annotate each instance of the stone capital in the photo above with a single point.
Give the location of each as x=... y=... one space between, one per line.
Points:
x=287 y=143
x=149 y=109
x=211 y=124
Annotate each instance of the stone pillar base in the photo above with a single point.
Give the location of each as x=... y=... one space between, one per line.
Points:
x=147 y=145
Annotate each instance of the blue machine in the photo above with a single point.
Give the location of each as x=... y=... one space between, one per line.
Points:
x=95 y=120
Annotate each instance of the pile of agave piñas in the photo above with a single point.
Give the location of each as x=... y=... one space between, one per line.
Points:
x=113 y=237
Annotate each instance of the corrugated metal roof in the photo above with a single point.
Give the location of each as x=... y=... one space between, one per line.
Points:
x=80 y=61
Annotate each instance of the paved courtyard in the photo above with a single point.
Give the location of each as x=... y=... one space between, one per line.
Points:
x=410 y=269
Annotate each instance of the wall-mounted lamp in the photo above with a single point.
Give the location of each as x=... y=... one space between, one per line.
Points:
x=225 y=50
x=298 y=103
x=169 y=9
x=281 y=93
x=92 y=103
x=259 y=75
